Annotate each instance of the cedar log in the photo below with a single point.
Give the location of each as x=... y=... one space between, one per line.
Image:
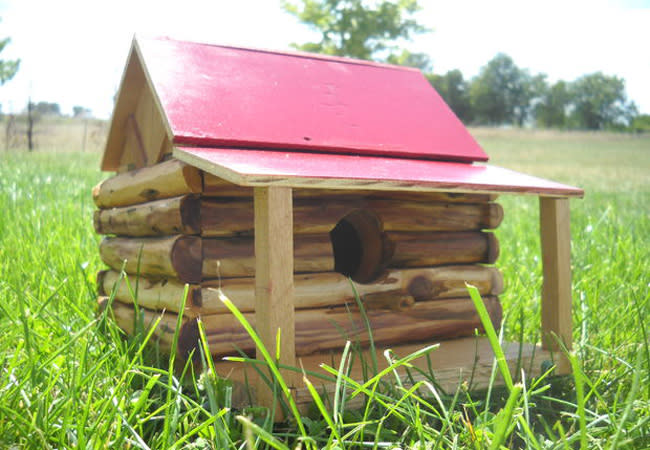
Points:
x=228 y=217
x=311 y=216
x=176 y=215
x=217 y=187
x=175 y=256
x=323 y=329
x=164 y=180
x=192 y=259
x=397 y=289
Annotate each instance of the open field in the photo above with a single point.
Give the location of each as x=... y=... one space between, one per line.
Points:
x=68 y=380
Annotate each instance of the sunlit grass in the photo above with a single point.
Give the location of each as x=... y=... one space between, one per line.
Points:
x=68 y=378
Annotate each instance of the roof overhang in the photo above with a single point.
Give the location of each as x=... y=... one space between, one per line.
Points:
x=335 y=171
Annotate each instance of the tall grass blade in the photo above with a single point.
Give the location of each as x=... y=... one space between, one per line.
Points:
x=267 y=357
x=504 y=418
x=491 y=334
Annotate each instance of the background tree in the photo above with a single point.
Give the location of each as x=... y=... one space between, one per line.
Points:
x=531 y=91
x=599 y=102
x=503 y=93
x=356 y=28
x=47 y=109
x=453 y=88
x=406 y=58
x=8 y=68
x=641 y=123
x=551 y=111
x=80 y=111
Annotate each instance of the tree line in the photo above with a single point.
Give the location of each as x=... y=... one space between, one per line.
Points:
x=501 y=94
x=504 y=94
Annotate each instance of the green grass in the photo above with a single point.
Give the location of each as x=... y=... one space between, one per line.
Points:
x=68 y=379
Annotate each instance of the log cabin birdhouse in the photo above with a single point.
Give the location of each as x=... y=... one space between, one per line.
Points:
x=292 y=182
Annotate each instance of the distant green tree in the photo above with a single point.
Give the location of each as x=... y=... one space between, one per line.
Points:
x=406 y=58
x=641 y=123
x=453 y=88
x=80 y=111
x=8 y=68
x=356 y=28
x=600 y=102
x=533 y=88
x=551 y=111
x=503 y=93
x=47 y=109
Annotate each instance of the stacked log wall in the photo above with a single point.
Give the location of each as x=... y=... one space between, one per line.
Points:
x=172 y=224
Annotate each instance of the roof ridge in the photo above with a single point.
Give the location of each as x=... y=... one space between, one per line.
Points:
x=292 y=53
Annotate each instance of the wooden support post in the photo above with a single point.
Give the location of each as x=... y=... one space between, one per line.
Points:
x=555 y=236
x=274 y=306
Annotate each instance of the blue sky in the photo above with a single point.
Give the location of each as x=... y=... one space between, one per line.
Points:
x=73 y=51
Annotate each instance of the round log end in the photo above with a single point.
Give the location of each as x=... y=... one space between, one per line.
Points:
x=193 y=178
x=188 y=341
x=101 y=276
x=494 y=216
x=102 y=303
x=191 y=214
x=187 y=258
x=496 y=281
x=196 y=296
x=97 y=222
x=492 y=248
x=97 y=194
x=496 y=312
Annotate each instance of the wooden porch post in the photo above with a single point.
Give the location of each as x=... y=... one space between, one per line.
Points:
x=555 y=234
x=274 y=306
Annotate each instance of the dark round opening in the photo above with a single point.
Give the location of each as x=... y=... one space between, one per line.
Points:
x=361 y=248
x=347 y=248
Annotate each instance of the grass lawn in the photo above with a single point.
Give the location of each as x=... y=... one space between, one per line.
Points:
x=67 y=379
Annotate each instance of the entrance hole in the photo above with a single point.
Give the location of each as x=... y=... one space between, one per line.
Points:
x=361 y=248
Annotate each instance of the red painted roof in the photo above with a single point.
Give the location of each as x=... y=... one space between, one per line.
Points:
x=331 y=171
x=232 y=97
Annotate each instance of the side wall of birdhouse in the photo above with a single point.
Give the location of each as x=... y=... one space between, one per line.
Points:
x=403 y=257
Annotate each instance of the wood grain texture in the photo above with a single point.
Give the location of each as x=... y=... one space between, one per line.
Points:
x=176 y=215
x=192 y=259
x=434 y=249
x=453 y=362
x=167 y=179
x=175 y=256
x=131 y=87
x=130 y=323
x=331 y=171
x=319 y=330
x=133 y=154
x=221 y=218
x=274 y=291
x=312 y=216
x=152 y=128
x=557 y=318
x=317 y=290
x=217 y=187
x=156 y=294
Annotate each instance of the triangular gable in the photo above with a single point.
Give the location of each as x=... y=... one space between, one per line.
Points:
x=139 y=134
x=213 y=96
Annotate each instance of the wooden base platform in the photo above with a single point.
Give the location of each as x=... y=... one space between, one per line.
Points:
x=466 y=360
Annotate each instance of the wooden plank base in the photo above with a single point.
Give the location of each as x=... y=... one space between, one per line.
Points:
x=466 y=360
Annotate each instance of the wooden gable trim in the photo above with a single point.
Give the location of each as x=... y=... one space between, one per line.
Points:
x=139 y=133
